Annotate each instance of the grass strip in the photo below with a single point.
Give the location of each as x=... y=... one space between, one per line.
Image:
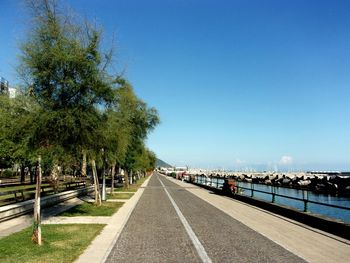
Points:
x=132 y=187
x=119 y=195
x=19 y=187
x=61 y=243
x=90 y=209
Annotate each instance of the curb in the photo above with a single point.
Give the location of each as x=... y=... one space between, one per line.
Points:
x=102 y=245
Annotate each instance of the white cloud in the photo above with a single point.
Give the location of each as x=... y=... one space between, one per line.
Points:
x=239 y=161
x=286 y=160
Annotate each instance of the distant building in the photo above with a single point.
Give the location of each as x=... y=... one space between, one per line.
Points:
x=12 y=92
x=4 y=86
x=6 y=89
x=181 y=168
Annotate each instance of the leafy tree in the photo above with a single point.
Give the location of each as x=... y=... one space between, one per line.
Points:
x=66 y=74
x=74 y=108
x=143 y=120
x=128 y=122
x=16 y=128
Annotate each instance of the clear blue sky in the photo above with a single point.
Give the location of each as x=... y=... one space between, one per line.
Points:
x=237 y=83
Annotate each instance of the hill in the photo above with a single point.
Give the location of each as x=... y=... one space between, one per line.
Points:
x=161 y=163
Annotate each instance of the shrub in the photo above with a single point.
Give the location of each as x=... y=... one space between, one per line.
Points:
x=7 y=174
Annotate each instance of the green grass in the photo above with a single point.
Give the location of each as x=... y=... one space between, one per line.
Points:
x=61 y=243
x=90 y=209
x=19 y=187
x=119 y=195
x=3 y=197
x=132 y=187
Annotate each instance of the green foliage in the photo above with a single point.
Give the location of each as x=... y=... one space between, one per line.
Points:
x=129 y=120
x=71 y=102
x=16 y=128
x=7 y=174
x=142 y=120
x=63 y=64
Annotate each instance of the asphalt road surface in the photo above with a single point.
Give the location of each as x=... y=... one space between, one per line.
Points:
x=169 y=224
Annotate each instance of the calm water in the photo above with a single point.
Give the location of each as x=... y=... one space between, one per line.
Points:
x=313 y=208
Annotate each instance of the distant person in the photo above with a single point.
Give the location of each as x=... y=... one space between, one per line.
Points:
x=226 y=188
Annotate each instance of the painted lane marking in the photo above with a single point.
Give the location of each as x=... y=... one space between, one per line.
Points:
x=197 y=244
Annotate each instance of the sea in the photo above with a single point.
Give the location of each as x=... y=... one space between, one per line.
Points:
x=331 y=212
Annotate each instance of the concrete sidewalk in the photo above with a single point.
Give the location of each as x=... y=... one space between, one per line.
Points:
x=310 y=244
x=101 y=246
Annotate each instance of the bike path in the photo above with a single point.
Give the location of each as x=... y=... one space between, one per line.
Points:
x=155 y=232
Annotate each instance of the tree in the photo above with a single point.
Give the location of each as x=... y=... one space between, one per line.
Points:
x=117 y=134
x=16 y=130
x=143 y=120
x=78 y=107
x=66 y=73
x=128 y=122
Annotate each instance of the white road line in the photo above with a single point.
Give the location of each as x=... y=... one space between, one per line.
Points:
x=197 y=244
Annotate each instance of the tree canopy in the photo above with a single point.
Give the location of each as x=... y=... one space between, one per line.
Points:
x=71 y=102
x=71 y=106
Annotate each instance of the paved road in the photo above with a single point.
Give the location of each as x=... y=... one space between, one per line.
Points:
x=156 y=232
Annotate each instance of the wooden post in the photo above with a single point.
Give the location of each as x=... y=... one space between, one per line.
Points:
x=126 y=178
x=36 y=237
x=84 y=164
x=97 y=185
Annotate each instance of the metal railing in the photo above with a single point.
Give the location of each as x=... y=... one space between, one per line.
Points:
x=213 y=181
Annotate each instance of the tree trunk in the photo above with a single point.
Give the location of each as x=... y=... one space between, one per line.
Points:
x=96 y=184
x=63 y=172
x=55 y=177
x=130 y=176
x=23 y=174
x=32 y=175
x=36 y=237
x=104 y=183
x=126 y=179
x=84 y=164
x=112 y=177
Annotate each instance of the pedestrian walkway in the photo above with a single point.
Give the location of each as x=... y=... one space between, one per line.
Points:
x=167 y=220
x=170 y=224
x=310 y=244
